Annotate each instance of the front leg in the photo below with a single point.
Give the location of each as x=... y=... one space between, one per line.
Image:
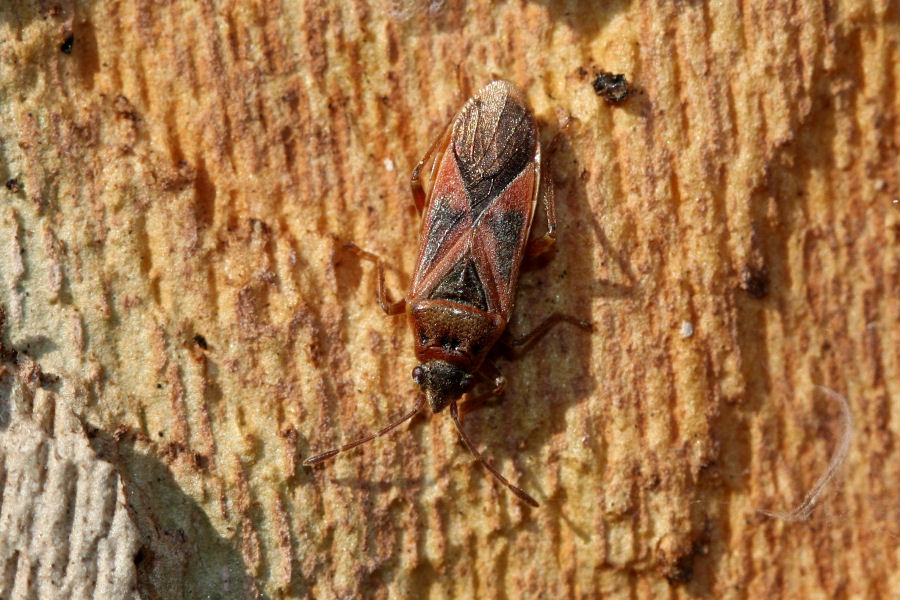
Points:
x=433 y=154
x=490 y=372
x=390 y=308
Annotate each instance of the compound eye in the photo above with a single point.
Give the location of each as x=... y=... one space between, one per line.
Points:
x=418 y=373
x=467 y=381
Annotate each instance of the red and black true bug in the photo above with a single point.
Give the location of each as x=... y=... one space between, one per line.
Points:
x=483 y=190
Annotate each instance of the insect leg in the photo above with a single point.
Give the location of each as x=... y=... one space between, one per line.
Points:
x=490 y=371
x=326 y=455
x=433 y=154
x=540 y=245
x=519 y=492
x=463 y=85
x=390 y=308
x=543 y=328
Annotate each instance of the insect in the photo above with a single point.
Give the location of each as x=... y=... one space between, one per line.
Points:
x=484 y=185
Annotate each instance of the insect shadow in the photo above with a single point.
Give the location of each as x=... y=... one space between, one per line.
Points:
x=558 y=368
x=585 y=17
x=410 y=484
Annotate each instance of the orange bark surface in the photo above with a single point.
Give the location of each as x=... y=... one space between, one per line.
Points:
x=181 y=178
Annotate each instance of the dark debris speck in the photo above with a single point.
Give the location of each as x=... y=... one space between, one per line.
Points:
x=755 y=282
x=612 y=87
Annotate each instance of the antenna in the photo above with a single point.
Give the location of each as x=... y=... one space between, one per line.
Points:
x=326 y=455
x=522 y=495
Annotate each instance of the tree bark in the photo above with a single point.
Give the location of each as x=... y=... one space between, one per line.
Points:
x=181 y=179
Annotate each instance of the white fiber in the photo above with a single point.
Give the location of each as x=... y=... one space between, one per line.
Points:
x=803 y=510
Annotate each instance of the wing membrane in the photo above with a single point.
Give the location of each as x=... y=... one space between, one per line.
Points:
x=481 y=205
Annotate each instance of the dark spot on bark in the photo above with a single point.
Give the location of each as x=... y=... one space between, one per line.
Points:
x=201 y=341
x=66 y=46
x=13 y=185
x=755 y=281
x=682 y=570
x=200 y=461
x=125 y=109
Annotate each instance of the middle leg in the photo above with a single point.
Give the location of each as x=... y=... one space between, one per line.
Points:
x=540 y=245
x=511 y=341
x=389 y=307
